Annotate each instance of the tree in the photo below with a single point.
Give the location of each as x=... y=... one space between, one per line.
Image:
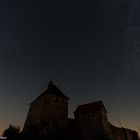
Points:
x=11 y=132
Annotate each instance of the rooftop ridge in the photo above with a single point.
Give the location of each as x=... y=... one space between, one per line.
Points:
x=51 y=89
x=98 y=105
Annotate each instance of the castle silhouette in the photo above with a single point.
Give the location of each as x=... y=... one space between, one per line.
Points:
x=47 y=119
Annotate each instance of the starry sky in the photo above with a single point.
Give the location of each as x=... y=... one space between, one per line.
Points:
x=89 y=48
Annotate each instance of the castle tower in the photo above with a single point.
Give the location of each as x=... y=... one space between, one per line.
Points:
x=50 y=109
x=93 y=117
x=91 y=111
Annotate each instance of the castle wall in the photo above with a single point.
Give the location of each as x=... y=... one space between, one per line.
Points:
x=118 y=133
x=106 y=125
x=124 y=134
x=94 y=125
x=48 y=109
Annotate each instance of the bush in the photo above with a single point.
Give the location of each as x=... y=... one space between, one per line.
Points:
x=11 y=132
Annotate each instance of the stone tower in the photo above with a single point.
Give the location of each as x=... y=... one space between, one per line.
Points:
x=92 y=119
x=95 y=113
x=49 y=109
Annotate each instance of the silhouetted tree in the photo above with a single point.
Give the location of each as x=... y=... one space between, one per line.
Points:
x=11 y=132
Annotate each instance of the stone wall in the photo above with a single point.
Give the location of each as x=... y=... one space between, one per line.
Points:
x=123 y=133
x=48 y=109
x=87 y=130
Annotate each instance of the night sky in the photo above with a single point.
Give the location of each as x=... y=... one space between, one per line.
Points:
x=89 y=48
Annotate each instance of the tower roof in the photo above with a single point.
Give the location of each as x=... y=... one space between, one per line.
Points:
x=94 y=106
x=52 y=89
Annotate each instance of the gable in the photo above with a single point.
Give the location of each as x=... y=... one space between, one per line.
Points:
x=51 y=90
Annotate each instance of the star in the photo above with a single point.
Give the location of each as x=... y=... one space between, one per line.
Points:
x=54 y=42
x=83 y=50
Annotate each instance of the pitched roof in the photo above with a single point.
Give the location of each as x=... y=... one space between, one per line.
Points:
x=52 y=89
x=94 y=106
